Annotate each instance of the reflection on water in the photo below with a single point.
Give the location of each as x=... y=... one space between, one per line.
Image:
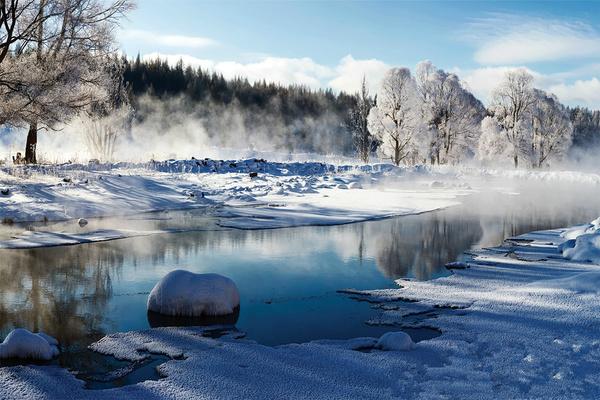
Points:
x=287 y=278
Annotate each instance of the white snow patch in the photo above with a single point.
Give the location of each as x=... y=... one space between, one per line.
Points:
x=395 y=341
x=20 y=343
x=184 y=293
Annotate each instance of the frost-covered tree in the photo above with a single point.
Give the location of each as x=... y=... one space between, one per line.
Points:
x=58 y=69
x=551 y=129
x=358 y=123
x=493 y=147
x=511 y=105
x=105 y=121
x=394 y=120
x=450 y=114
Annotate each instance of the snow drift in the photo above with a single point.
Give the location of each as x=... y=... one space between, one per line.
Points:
x=395 y=341
x=583 y=243
x=20 y=343
x=186 y=294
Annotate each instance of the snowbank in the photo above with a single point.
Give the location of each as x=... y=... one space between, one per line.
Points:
x=186 y=294
x=20 y=343
x=583 y=242
x=587 y=248
x=395 y=341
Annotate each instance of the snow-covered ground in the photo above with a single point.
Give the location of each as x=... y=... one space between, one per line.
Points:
x=243 y=194
x=523 y=323
x=248 y=194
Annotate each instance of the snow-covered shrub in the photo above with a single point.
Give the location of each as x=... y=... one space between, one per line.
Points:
x=186 y=294
x=398 y=341
x=20 y=343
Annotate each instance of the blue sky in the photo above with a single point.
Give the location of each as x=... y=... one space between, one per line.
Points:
x=333 y=43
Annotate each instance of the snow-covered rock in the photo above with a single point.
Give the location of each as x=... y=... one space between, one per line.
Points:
x=587 y=248
x=20 y=343
x=82 y=222
x=395 y=341
x=186 y=294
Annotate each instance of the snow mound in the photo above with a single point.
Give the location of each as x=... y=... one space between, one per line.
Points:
x=395 y=341
x=20 y=343
x=186 y=294
x=587 y=248
x=576 y=231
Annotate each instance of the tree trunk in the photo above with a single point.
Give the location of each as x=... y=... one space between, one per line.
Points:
x=30 y=147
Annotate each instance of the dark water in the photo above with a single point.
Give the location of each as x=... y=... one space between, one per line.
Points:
x=288 y=278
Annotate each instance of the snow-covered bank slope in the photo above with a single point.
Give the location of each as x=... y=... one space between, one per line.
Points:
x=525 y=325
x=249 y=194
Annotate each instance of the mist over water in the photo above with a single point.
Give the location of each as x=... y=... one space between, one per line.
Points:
x=176 y=128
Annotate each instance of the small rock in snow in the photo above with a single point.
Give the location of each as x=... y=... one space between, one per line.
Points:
x=5 y=192
x=395 y=341
x=82 y=222
x=20 y=343
x=253 y=174
x=186 y=294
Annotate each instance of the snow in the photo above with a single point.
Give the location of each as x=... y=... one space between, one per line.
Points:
x=184 y=293
x=20 y=343
x=520 y=322
x=395 y=341
x=282 y=195
x=586 y=248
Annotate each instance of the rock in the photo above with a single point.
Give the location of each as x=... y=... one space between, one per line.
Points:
x=66 y=180
x=253 y=174
x=82 y=222
x=186 y=294
x=456 y=265
x=5 y=191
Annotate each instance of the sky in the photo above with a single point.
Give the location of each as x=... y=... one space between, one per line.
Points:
x=334 y=43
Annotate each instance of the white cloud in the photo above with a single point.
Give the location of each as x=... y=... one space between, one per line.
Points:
x=346 y=76
x=350 y=72
x=508 y=39
x=581 y=92
x=482 y=81
x=191 y=42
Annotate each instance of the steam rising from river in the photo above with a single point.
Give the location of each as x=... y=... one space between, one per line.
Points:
x=176 y=128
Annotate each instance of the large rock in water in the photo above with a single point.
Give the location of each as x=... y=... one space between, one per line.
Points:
x=183 y=293
x=20 y=343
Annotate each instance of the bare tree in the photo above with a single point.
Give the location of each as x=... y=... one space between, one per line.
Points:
x=393 y=120
x=511 y=105
x=359 y=116
x=56 y=69
x=106 y=121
